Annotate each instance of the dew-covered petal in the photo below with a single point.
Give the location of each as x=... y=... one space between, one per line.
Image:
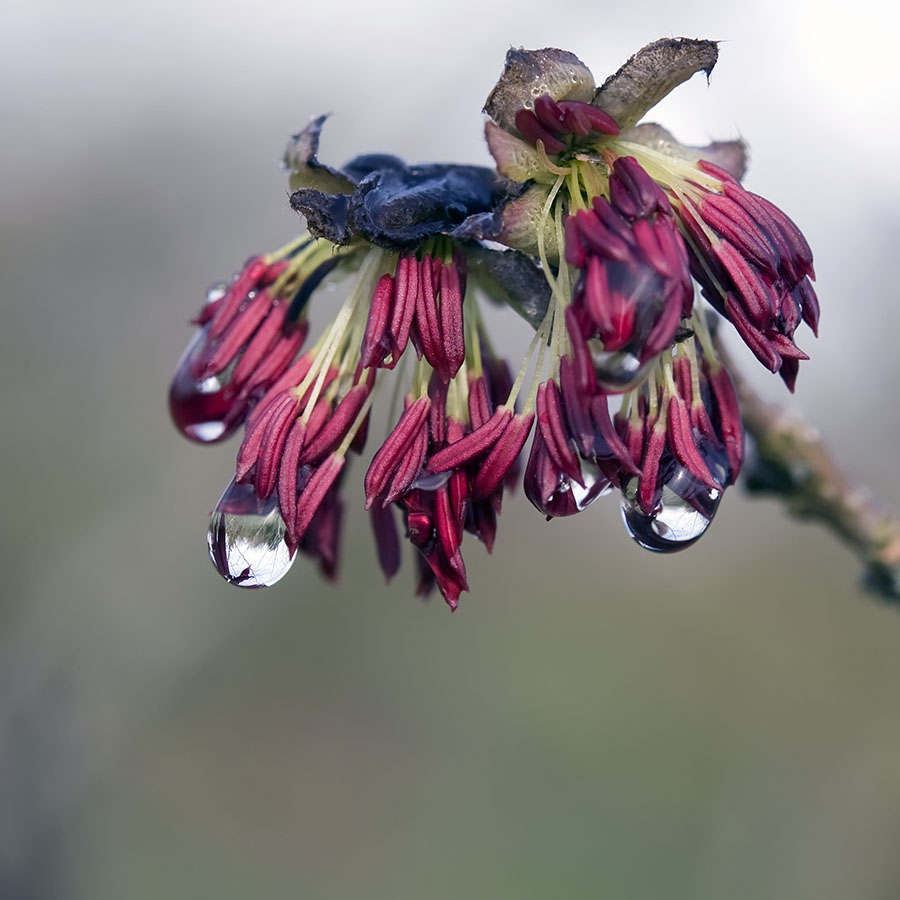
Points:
x=527 y=74
x=652 y=73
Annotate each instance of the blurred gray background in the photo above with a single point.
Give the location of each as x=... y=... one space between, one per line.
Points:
x=595 y=720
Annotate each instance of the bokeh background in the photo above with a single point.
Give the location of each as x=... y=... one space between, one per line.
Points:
x=595 y=720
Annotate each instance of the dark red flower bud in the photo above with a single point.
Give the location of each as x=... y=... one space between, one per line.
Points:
x=683 y=443
x=278 y=425
x=322 y=478
x=635 y=284
x=406 y=289
x=427 y=320
x=533 y=131
x=554 y=431
x=608 y=445
x=499 y=380
x=760 y=345
x=287 y=475
x=389 y=457
x=377 y=341
x=481 y=521
x=408 y=467
x=649 y=490
x=317 y=419
x=755 y=270
x=728 y=417
x=504 y=453
x=423 y=531
x=549 y=113
x=632 y=434
x=480 y=407
x=271 y=349
x=338 y=424
x=236 y=294
x=604 y=233
x=387 y=540
x=236 y=335
x=546 y=488
x=552 y=120
x=281 y=407
x=321 y=541
x=576 y=254
x=446 y=523
x=582 y=365
x=474 y=444
x=633 y=192
x=806 y=299
x=576 y=404
x=452 y=318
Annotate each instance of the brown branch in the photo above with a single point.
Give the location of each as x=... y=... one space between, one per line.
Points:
x=793 y=463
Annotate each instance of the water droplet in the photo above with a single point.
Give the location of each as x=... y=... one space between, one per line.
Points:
x=431 y=481
x=203 y=410
x=618 y=371
x=246 y=538
x=686 y=509
x=596 y=484
x=216 y=291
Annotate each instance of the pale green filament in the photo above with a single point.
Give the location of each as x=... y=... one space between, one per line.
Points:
x=357 y=424
x=542 y=224
x=547 y=163
x=652 y=394
x=303 y=264
x=690 y=351
x=289 y=247
x=701 y=330
x=473 y=342
x=666 y=165
x=395 y=394
x=540 y=338
x=335 y=337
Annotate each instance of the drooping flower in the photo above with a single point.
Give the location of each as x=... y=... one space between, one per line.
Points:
x=608 y=226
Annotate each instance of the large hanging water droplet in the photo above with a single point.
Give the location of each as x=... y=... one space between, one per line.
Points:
x=247 y=538
x=686 y=509
x=203 y=410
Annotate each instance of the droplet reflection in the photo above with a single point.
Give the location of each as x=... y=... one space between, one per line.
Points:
x=596 y=484
x=618 y=371
x=202 y=409
x=686 y=509
x=246 y=538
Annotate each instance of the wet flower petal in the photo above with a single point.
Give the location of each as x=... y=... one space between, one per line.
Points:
x=651 y=73
x=528 y=74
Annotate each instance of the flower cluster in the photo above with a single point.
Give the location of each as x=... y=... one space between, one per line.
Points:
x=610 y=227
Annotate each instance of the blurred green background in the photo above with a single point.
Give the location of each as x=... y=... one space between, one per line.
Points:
x=595 y=720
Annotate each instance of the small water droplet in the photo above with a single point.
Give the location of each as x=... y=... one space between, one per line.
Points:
x=431 y=481
x=203 y=410
x=209 y=385
x=216 y=291
x=246 y=538
x=686 y=509
x=618 y=371
x=596 y=484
